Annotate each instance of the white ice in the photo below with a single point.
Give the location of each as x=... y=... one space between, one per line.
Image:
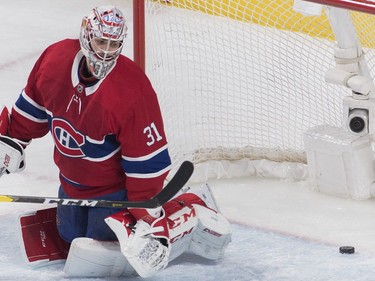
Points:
x=282 y=230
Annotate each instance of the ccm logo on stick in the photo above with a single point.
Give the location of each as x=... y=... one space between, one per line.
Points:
x=71 y=202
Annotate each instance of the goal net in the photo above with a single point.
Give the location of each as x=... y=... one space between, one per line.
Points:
x=242 y=80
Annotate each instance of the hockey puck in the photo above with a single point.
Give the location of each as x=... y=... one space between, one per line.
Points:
x=347 y=250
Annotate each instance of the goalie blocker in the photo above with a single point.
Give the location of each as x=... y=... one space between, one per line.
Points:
x=193 y=227
x=12 y=156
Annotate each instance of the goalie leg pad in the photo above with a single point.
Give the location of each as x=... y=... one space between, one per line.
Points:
x=182 y=220
x=92 y=258
x=213 y=232
x=39 y=240
x=204 y=192
x=212 y=235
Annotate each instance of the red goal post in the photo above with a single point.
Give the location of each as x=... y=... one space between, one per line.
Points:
x=240 y=81
x=139 y=32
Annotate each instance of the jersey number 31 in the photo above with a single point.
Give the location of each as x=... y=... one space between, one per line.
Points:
x=152 y=134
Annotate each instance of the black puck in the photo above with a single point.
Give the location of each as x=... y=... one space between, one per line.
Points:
x=347 y=250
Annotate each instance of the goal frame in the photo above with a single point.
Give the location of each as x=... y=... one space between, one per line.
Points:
x=339 y=10
x=139 y=43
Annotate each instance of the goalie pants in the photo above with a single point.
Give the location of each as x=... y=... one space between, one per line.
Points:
x=75 y=221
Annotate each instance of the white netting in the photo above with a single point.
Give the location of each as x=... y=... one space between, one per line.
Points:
x=242 y=79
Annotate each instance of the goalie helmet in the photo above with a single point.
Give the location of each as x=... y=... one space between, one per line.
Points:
x=102 y=36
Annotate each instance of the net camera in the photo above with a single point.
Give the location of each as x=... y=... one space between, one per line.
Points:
x=358 y=121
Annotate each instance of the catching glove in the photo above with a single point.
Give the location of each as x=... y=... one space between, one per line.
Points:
x=12 y=156
x=145 y=244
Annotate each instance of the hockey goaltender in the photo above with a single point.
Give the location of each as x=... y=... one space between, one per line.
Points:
x=110 y=144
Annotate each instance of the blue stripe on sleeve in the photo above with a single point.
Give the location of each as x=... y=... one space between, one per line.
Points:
x=30 y=109
x=152 y=165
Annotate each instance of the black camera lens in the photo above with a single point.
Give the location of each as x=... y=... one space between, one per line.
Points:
x=357 y=124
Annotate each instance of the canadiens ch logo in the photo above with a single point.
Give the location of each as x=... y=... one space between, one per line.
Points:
x=67 y=139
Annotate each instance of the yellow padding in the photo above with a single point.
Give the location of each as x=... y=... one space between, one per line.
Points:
x=279 y=14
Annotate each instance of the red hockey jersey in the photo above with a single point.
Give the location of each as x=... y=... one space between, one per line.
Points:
x=108 y=136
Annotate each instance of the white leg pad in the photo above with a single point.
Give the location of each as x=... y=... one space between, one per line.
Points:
x=91 y=258
x=204 y=192
x=180 y=231
x=212 y=234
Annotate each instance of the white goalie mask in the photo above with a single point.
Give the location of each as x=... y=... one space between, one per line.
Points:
x=102 y=36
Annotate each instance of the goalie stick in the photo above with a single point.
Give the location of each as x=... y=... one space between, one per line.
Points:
x=168 y=192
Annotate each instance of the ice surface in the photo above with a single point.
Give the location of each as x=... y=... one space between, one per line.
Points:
x=281 y=230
